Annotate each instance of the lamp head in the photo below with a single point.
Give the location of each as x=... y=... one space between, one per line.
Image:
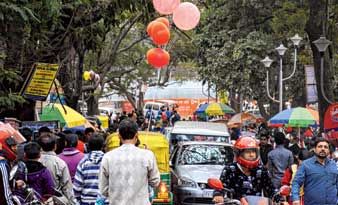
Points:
x=281 y=49
x=267 y=61
x=296 y=40
x=322 y=43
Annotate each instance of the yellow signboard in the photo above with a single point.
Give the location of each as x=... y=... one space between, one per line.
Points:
x=41 y=80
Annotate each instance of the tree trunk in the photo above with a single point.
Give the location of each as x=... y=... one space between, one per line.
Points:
x=93 y=104
x=314 y=29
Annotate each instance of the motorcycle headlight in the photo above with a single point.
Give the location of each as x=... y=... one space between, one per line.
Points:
x=186 y=182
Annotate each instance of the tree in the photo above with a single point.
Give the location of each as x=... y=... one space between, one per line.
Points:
x=317 y=26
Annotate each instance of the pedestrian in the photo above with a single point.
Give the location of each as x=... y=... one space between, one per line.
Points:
x=264 y=147
x=86 y=183
x=70 y=154
x=56 y=166
x=27 y=134
x=35 y=175
x=290 y=172
x=278 y=160
x=88 y=132
x=319 y=176
x=127 y=170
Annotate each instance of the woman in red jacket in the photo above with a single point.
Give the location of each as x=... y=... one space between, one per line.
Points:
x=290 y=172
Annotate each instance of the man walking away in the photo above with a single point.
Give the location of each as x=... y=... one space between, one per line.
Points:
x=70 y=154
x=320 y=178
x=278 y=160
x=127 y=170
x=56 y=166
x=86 y=183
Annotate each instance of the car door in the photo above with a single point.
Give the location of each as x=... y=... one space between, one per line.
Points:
x=173 y=164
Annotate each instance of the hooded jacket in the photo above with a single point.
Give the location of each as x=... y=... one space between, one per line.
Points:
x=72 y=157
x=86 y=182
x=39 y=178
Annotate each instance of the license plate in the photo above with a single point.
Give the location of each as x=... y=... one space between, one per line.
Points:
x=208 y=193
x=164 y=195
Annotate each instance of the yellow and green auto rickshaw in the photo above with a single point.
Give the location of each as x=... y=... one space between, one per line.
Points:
x=158 y=144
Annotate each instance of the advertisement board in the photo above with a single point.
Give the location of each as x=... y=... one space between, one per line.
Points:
x=39 y=81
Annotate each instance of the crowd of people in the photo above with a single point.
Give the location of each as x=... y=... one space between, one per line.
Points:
x=273 y=162
x=151 y=120
x=75 y=169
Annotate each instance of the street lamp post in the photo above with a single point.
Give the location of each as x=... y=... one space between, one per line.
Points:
x=267 y=63
x=322 y=43
x=281 y=51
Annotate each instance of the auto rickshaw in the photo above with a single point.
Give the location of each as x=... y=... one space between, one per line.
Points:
x=158 y=144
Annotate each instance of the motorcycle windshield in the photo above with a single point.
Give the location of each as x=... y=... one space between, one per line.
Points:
x=258 y=200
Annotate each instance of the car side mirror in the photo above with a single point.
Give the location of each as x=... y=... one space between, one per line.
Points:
x=171 y=164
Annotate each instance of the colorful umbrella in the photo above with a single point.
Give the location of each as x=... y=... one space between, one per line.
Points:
x=241 y=119
x=296 y=117
x=214 y=109
x=70 y=118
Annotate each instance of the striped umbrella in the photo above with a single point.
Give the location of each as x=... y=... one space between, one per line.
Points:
x=296 y=117
x=214 y=109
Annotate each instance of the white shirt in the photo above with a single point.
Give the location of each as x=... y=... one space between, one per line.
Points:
x=125 y=173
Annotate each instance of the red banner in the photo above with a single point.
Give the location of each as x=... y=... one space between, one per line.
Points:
x=331 y=118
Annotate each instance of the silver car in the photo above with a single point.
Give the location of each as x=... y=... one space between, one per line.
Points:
x=192 y=163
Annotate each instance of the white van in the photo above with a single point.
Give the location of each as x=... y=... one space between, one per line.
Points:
x=154 y=106
x=198 y=131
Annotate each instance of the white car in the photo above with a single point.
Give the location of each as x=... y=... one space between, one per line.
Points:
x=192 y=163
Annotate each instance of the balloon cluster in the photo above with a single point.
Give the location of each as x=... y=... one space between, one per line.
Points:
x=185 y=16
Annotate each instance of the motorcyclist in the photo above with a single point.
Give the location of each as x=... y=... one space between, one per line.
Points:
x=246 y=176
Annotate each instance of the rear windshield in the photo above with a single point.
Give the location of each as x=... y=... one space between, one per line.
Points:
x=175 y=138
x=206 y=155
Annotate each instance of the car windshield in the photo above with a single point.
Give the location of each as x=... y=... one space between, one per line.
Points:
x=174 y=138
x=206 y=154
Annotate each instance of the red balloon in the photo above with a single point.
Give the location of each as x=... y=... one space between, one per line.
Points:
x=164 y=20
x=149 y=27
x=160 y=33
x=158 y=57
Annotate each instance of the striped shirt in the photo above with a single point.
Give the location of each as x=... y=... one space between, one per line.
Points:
x=5 y=190
x=86 y=182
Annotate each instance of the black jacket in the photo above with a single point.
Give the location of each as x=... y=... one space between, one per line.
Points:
x=234 y=179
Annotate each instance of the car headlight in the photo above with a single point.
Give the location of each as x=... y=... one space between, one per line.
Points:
x=183 y=181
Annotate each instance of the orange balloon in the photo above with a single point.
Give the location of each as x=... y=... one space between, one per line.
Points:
x=158 y=57
x=164 y=20
x=149 y=27
x=160 y=33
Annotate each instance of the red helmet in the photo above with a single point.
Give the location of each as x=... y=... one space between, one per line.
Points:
x=246 y=143
x=6 y=142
